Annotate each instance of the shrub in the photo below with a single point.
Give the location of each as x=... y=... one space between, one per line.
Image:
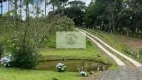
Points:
x=89 y=43
x=24 y=54
x=25 y=57
x=128 y=51
x=1 y=50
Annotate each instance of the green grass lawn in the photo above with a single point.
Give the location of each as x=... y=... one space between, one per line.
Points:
x=16 y=74
x=90 y=53
x=109 y=38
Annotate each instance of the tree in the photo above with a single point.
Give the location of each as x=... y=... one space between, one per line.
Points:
x=54 y=3
x=76 y=14
x=103 y=14
x=80 y=4
x=63 y=2
x=76 y=11
x=46 y=2
x=125 y=19
x=24 y=53
x=20 y=9
x=16 y=8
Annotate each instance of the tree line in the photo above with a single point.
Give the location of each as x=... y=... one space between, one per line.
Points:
x=118 y=16
x=115 y=15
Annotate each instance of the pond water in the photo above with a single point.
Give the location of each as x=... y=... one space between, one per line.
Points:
x=73 y=65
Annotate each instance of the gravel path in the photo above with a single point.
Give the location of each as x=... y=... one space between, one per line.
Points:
x=122 y=74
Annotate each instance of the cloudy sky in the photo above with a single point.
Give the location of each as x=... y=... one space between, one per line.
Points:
x=5 y=7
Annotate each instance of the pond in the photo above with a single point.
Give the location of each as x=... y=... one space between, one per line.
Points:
x=74 y=65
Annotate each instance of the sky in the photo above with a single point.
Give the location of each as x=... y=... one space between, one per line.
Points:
x=49 y=8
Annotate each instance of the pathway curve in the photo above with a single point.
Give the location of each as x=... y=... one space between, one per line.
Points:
x=129 y=69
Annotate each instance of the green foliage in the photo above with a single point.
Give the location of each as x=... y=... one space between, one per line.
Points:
x=49 y=43
x=89 y=43
x=61 y=23
x=23 y=49
x=140 y=51
x=128 y=51
x=1 y=50
x=54 y=24
x=24 y=55
x=76 y=14
x=103 y=13
x=115 y=15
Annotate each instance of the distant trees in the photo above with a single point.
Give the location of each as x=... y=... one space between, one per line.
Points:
x=115 y=15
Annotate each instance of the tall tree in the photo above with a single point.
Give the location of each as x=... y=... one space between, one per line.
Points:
x=76 y=11
x=54 y=3
x=46 y=2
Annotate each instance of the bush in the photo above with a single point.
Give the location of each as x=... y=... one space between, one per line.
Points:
x=24 y=55
x=1 y=50
x=89 y=43
x=128 y=51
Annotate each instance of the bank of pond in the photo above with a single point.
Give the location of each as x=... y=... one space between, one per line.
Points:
x=74 y=65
